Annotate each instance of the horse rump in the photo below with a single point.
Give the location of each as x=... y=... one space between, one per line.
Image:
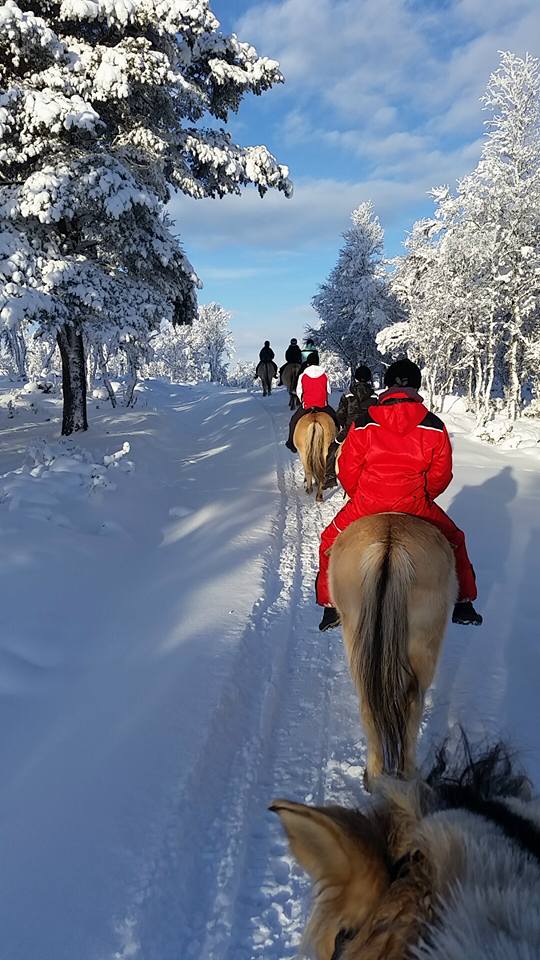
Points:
x=392 y=579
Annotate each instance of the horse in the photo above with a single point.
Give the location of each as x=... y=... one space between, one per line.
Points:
x=392 y=579
x=313 y=435
x=289 y=377
x=266 y=372
x=446 y=867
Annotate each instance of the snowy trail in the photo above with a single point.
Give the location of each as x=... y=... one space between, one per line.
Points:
x=168 y=678
x=272 y=732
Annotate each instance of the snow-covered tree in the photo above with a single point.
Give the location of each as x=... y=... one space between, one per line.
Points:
x=194 y=353
x=470 y=280
x=211 y=340
x=241 y=374
x=339 y=372
x=502 y=199
x=172 y=355
x=354 y=304
x=102 y=107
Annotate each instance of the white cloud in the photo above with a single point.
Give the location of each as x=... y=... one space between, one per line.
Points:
x=397 y=65
x=316 y=214
x=232 y=274
x=391 y=86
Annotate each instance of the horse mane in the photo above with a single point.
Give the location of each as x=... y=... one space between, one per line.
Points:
x=464 y=773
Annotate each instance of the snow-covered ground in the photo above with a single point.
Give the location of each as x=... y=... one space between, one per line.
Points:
x=162 y=676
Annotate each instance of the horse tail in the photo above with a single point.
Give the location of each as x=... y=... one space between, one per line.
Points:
x=315 y=452
x=380 y=662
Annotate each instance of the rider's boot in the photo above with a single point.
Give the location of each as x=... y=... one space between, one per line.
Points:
x=330 y=619
x=465 y=613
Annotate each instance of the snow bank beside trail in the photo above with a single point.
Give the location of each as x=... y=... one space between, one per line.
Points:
x=520 y=435
x=56 y=473
x=523 y=434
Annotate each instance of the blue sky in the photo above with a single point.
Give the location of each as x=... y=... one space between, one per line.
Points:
x=381 y=102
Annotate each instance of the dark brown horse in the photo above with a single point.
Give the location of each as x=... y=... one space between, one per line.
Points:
x=289 y=377
x=266 y=372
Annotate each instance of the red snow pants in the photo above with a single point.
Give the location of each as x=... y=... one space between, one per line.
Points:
x=354 y=510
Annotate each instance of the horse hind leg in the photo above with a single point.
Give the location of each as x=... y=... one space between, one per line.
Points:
x=308 y=479
x=375 y=755
x=414 y=718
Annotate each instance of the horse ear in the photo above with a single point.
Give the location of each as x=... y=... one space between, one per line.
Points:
x=317 y=842
x=343 y=853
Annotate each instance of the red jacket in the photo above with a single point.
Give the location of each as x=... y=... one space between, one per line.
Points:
x=313 y=388
x=396 y=454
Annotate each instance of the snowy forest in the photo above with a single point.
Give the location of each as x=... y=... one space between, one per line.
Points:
x=115 y=293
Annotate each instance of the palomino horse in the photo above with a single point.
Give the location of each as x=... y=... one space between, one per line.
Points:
x=266 y=372
x=393 y=581
x=313 y=435
x=290 y=380
x=445 y=868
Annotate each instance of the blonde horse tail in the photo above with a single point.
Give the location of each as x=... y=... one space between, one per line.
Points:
x=315 y=453
x=379 y=659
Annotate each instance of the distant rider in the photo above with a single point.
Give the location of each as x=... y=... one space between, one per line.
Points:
x=310 y=355
x=293 y=354
x=358 y=398
x=267 y=355
x=397 y=458
x=313 y=390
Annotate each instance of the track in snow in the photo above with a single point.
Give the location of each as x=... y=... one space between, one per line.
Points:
x=286 y=724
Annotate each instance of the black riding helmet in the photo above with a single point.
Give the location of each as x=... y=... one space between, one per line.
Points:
x=362 y=374
x=403 y=373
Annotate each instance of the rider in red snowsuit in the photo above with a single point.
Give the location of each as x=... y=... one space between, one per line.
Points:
x=397 y=458
x=313 y=391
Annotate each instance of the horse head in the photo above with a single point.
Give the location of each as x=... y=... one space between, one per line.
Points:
x=445 y=867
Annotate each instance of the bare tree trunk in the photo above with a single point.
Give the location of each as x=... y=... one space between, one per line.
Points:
x=48 y=358
x=470 y=386
x=514 y=387
x=132 y=374
x=100 y=359
x=17 y=348
x=70 y=343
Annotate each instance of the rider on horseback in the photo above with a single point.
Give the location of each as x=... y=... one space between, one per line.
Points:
x=314 y=392
x=358 y=398
x=310 y=355
x=397 y=458
x=293 y=354
x=266 y=355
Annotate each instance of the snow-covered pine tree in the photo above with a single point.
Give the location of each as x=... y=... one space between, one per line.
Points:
x=353 y=304
x=101 y=115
